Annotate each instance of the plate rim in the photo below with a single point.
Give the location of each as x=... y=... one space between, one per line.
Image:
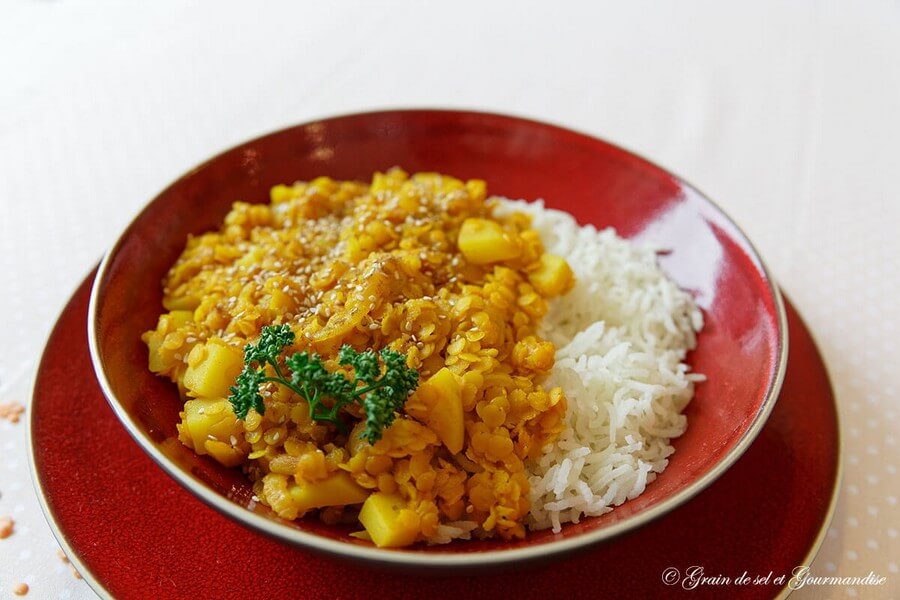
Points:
x=438 y=560
x=100 y=589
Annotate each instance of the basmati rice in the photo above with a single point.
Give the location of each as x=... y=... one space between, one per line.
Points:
x=622 y=335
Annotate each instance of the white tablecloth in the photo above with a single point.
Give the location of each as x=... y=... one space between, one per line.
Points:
x=785 y=112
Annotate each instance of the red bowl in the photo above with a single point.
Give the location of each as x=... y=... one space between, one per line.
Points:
x=742 y=348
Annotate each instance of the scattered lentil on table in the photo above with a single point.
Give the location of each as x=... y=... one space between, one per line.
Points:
x=11 y=411
x=7 y=525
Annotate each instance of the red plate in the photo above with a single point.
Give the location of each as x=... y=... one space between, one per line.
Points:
x=134 y=532
x=741 y=350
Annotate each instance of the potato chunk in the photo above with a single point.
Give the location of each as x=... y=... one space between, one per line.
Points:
x=225 y=453
x=553 y=277
x=212 y=368
x=483 y=241
x=168 y=322
x=337 y=490
x=438 y=404
x=388 y=521
x=210 y=427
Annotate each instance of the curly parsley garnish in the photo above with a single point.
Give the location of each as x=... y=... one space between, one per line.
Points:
x=380 y=386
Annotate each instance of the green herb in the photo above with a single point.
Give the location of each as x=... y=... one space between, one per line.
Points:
x=380 y=386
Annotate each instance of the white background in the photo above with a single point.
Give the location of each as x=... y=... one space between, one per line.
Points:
x=786 y=113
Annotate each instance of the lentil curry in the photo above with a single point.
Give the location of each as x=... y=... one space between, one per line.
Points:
x=418 y=265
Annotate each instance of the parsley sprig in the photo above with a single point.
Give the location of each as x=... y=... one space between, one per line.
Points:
x=380 y=386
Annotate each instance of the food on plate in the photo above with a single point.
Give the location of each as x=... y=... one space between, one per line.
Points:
x=425 y=361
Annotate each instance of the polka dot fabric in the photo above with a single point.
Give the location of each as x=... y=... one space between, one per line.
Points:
x=790 y=124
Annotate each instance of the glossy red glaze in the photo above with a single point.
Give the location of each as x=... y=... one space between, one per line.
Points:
x=138 y=534
x=599 y=183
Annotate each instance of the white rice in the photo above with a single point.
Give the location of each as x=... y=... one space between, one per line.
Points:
x=621 y=335
x=455 y=530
